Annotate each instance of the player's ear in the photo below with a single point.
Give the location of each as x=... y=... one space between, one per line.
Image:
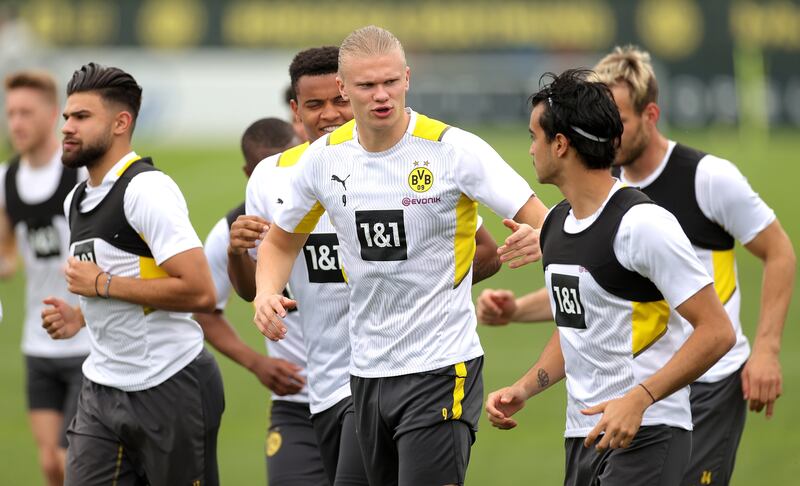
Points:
x=652 y=113
x=408 y=78
x=123 y=122
x=340 y=85
x=293 y=105
x=560 y=145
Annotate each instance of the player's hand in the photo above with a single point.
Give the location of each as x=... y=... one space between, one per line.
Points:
x=502 y=404
x=522 y=247
x=246 y=232
x=280 y=376
x=496 y=307
x=270 y=311
x=81 y=276
x=59 y=319
x=620 y=422
x=762 y=381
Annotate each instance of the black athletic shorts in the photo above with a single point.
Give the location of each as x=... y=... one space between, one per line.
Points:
x=54 y=384
x=718 y=412
x=162 y=436
x=293 y=457
x=657 y=456
x=338 y=445
x=418 y=429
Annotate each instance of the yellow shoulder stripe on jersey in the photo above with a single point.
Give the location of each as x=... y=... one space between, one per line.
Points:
x=127 y=164
x=342 y=134
x=464 y=244
x=290 y=157
x=649 y=324
x=310 y=220
x=344 y=276
x=458 y=390
x=724 y=273
x=149 y=270
x=429 y=129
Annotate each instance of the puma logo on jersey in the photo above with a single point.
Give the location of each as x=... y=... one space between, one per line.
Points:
x=279 y=201
x=336 y=178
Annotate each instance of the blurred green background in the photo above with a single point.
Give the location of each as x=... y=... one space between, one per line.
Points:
x=212 y=182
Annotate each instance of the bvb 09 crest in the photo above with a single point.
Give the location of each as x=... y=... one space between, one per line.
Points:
x=421 y=178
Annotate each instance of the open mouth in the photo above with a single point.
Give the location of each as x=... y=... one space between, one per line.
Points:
x=330 y=128
x=382 y=111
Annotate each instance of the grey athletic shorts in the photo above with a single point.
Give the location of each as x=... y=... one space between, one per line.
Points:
x=658 y=456
x=336 y=434
x=718 y=412
x=162 y=436
x=54 y=384
x=292 y=452
x=418 y=429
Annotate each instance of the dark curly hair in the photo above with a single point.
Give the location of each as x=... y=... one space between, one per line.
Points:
x=313 y=62
x=584 y=112
x=112 y=84
x=266 y=134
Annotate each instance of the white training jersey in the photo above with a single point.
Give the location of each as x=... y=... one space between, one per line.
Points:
x=316 y=281
x=133 y=347
x=44 y=277
x=621 y=343
x=290 y=349
x=725 y=197
x=405 y=219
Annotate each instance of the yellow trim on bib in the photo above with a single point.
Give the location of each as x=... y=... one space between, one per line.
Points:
x=724 y=263
x=649 y=321
x=148 y=270
x=342 y=134
x=127 y=164
x=310 y=220
x=429 y=129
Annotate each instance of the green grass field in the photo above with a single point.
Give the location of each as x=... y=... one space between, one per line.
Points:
x=531 y=454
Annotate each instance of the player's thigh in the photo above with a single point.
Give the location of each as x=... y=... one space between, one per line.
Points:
x=434 y=456
x=46 y=427
x=292 y=453
x=43 y=385
x=72 y=377
x=657 y=456
x=376 y=437
x=718 y=412
x=95 y=461
x=350 y=469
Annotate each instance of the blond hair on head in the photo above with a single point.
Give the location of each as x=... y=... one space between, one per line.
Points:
x=630 y=65
x=38 y=80
x=369 y=41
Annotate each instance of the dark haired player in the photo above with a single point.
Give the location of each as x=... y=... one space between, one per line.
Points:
x=151 y=401
x=618 y=271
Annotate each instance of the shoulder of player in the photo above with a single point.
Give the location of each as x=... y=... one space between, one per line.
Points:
x=463 y=140
x=153 y=185
x=649 y=220
x=716 y=169
x=219 y=233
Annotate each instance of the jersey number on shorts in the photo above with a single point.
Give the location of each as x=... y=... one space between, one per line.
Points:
x=567 y=296
x=43 y=238
x=85 y=251
x=322 y=258
x=382 y=234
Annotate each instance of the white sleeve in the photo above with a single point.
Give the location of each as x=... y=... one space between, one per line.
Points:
x=216 y=250
x=726 y=198
x=3 y=170
x=156 y=209
x=301 y=208
x=68 y=202
x=651 y=243
x=483 y=176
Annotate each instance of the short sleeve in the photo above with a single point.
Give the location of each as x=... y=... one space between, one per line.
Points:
x=156 y=209
x=650 y=242
x=483 y=176
x=216 y=250
x=300 y=209
x=259 y=191
x=725 y=197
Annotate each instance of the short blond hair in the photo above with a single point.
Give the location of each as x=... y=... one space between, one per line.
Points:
x=38 y=80
x=630 y=65
x=369 y=41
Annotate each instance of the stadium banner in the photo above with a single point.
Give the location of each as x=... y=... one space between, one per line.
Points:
x=473 y=61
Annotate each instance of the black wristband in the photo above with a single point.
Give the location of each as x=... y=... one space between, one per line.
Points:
x=648 y=392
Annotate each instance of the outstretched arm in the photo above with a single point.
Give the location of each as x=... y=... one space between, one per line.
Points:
x=8 y=247
x=276 y=256
x=499 y=307
x=522 y=247
x=547 y=371
x=486 y=262
x=245 y=234
x=762 y=380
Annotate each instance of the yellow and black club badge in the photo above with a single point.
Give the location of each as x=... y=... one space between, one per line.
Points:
x=274 y=441
x=421 y=178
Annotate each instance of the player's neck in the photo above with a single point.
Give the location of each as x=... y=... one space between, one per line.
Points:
x=379 y=140
x=587 y=191
x=649 y=161
x=99 y=170
x=42 y=155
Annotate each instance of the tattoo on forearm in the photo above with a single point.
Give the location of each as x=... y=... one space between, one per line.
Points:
x=542 y=378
